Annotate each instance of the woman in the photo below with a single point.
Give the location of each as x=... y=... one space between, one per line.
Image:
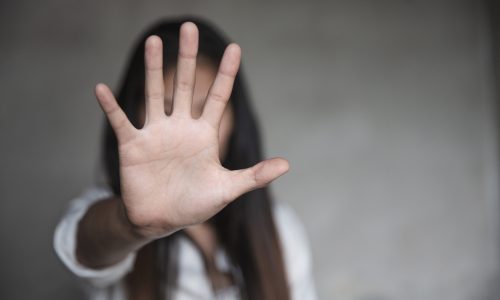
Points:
x=185 y=212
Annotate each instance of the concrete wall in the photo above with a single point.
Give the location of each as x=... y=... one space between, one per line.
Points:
x=384 y=108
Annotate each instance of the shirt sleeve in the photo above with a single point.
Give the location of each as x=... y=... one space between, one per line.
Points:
x=65 y=242
x=297 y=252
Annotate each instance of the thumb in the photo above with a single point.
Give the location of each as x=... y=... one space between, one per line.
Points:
x=258 y=176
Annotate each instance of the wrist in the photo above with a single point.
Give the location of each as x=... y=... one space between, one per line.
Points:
x=133 y=232
x=141 y=233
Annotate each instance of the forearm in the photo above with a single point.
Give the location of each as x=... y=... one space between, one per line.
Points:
x=105 y=236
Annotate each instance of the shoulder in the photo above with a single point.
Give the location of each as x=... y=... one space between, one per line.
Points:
x=296 y=251
x=293 y=237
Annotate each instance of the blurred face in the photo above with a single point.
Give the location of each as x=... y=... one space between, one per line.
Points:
x=205 y=76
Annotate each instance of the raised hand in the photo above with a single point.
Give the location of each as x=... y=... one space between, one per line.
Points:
x=171 y=175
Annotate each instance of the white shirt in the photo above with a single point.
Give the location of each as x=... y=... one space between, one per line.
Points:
x=192 y=283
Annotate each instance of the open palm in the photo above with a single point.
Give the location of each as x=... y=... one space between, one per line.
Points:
x=171 y=175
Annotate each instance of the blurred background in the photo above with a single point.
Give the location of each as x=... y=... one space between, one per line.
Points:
x=387 y=111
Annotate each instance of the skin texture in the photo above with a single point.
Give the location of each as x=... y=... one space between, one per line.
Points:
x=170 y=169
x=203 y=234
x=205 y=76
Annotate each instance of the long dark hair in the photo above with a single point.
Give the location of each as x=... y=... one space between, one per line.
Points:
x=245 y=228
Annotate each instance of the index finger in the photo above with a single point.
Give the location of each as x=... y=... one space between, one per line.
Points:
x=221 y=89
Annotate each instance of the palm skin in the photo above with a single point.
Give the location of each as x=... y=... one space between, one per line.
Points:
x=170 y=172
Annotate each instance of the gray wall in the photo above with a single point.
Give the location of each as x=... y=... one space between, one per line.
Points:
x=384 y=108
